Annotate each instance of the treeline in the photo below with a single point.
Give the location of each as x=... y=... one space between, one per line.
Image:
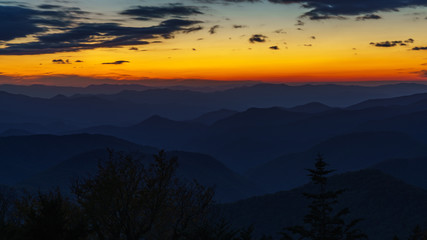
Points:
x=127 y=199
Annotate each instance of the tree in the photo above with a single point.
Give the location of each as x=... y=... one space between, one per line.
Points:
x=323 y=222
x=418 y=234
x=48 y=216
x=127 y=200
x=8 y=220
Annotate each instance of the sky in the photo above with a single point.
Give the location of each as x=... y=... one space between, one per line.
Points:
x=263 y=40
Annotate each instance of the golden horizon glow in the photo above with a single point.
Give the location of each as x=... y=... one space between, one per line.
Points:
x=329 y=50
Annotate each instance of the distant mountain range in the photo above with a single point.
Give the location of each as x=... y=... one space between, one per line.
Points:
x=346 y=153
x=247 y=140
x=127 y=104
x=46 y=161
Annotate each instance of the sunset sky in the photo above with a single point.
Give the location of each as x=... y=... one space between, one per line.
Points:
x=265 y=40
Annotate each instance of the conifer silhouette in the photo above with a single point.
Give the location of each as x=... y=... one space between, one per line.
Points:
x=323 y=222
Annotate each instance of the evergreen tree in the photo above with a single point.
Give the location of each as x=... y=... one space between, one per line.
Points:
x=418 y=234
x=323 y=222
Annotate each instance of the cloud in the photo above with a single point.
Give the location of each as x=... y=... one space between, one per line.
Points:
x=336 y=9
x=145 y=13
x=49 y=6
x=368 y=17
x=192 y=29
x=213 y=29
x=78 y=61
x=392 y=43
x=19 y=21
x=274 y=48
x=422 y=73
x=226 y=1
x=133 y=49
x=258 y=38
x=299 y=23
x=116 y=62
x=86 y=36
x=239 y=26
x=61 y=61
x=419 y=48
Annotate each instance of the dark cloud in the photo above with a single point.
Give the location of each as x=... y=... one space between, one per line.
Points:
x=49 y=6
x=280 y=31
x=19 y=21
x=213 y=29
x=422 y=73
x=274 y=48
x=98 y=35
x=239 y=26
x=257 y=38
x=145 y=13
x=61 y=61
x=419 y=48
x=392 y=43
x=299 y=23
x=313 y=37
x=192 y=29
x=133 y=49
x=116 y=62
x=78 y=61
x=308 y=45
x=368 y=17
x=226 y=1
x=335 y=9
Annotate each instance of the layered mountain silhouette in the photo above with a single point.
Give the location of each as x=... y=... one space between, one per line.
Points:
x=228 y=185
x=346 y=153
x=388 y=206
x=411 y=170
x=47 y=161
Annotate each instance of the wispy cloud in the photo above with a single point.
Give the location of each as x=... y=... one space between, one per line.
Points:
x=120 y=62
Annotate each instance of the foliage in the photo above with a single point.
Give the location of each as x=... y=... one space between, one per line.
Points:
x=323 y=222
x=127 y=200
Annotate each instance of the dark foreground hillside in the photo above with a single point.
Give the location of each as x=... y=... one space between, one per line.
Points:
x=388 y=206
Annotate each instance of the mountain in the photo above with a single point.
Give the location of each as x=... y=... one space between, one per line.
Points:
x=267 y=95
x=253 y=137
x=255 y=117
x=412 y=124
x=229 y=186
x=389 y=102
x=15 y=132
x=105 y=105
x=22 y=156
x=312 y=107
x=249 y=138
x=211 y=117
x=346 y=152
x=47 y=91
x=410 y=170
x=387 y=206
x=155 y=130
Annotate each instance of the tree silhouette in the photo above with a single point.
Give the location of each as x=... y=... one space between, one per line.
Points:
x=323 y=222
x=418 y=234
x=127 y=200
x=50 y=216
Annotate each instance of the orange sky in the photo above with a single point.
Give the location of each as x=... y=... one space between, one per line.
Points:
x=326 y=50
